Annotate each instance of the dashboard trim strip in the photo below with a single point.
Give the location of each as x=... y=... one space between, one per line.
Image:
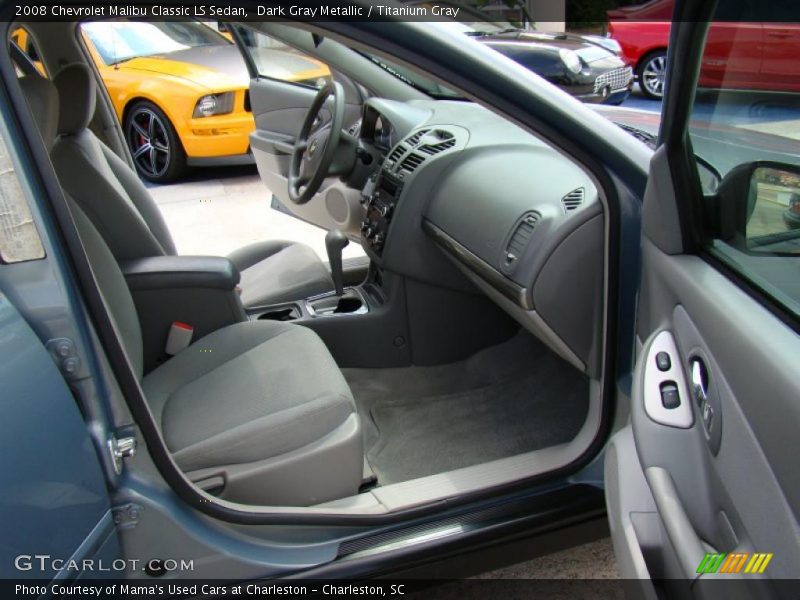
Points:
x=513 y=291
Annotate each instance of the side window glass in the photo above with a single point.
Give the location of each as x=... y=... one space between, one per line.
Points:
x=275 y=60
x=19 y=238
x=745 y=132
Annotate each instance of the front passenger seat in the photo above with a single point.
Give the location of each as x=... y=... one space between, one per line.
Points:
x=257 y=411
x=124 y=213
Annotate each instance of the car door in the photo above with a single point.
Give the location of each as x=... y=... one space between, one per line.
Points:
x=284 y=82
x=56 y=512
x=702 y=486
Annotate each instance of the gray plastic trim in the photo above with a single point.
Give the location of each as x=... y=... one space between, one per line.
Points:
x=513 y=291
x=689 y=548
x=682 y=416
x=529 y=319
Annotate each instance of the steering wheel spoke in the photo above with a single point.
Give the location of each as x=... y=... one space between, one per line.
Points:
x=313 y=153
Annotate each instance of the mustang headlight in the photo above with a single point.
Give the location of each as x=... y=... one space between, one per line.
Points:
x=570 y=60
x=214 y=104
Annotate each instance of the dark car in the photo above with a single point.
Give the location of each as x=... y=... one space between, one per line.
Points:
x=586 y=66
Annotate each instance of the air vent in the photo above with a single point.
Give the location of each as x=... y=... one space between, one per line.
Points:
x=573 y=200
x=413 y=140
x=410 y=163
x=432 y=149
x=396 y=153
x=520 y=238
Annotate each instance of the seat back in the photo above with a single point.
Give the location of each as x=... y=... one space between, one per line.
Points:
x=43 y=101
x=104 y=186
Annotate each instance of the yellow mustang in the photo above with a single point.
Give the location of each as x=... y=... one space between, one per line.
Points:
x=180 y=91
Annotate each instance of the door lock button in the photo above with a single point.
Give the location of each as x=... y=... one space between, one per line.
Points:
x=663 y=361
x=669 y=395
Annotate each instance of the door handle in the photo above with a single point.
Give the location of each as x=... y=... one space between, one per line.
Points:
x=699 y=381
x=699 y=377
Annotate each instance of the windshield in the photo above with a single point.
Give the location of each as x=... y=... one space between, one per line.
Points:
x=415 y=80
x=118 y=41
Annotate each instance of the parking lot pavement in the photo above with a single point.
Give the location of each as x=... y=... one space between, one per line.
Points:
x=642 y=103
x=638 y=101
x=219 y=210
x=594 y=560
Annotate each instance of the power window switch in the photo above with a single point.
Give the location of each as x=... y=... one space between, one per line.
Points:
x=669 y=395
x=663 y=361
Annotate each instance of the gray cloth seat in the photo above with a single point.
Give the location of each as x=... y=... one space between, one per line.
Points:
x=127 y=217
x=288 y=393
x=258 y=411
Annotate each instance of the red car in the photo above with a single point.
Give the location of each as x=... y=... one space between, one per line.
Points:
x=761 y=51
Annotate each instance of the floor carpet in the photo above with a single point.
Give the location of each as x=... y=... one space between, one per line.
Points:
x=506 y=400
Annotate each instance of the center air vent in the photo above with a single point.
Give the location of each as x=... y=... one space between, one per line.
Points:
x=413 y=140
x=424 y=143
x=437 y=141
x=395 y=154
x=573 y=200
x=409 y=164
x=520 y=238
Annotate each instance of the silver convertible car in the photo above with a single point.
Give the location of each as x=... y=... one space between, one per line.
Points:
x=559 y=331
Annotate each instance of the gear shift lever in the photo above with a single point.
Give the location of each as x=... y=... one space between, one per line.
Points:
x=335 y=241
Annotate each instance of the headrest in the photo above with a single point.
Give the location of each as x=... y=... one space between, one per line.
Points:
x=77 y=96
x=42 y=98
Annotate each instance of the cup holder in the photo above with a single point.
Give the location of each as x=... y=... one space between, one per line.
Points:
x=329 y=305
x=348 y=305
x=289 y=313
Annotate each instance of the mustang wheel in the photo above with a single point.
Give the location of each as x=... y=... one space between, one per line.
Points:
x=154 y=144
x=652 y=73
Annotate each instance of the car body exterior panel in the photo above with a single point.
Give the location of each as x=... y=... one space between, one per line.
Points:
x=147 y=78
x=176 y=81
x=639 y=38
x=540 y=53
x=738 y=55
x=53 y=484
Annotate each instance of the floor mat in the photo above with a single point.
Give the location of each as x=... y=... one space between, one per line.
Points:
x=506 y=400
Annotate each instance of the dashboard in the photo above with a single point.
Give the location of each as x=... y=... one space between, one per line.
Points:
x=459 y=186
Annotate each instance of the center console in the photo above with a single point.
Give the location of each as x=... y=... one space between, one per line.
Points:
x=381 y=204
x=200 y=291
x=354 y=301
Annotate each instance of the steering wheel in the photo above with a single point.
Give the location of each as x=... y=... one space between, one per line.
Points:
x=314 y=152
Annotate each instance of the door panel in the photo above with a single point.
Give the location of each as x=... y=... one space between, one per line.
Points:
x=279 y=109
x=730 y=488
x=709 y=506
x=738 y=488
